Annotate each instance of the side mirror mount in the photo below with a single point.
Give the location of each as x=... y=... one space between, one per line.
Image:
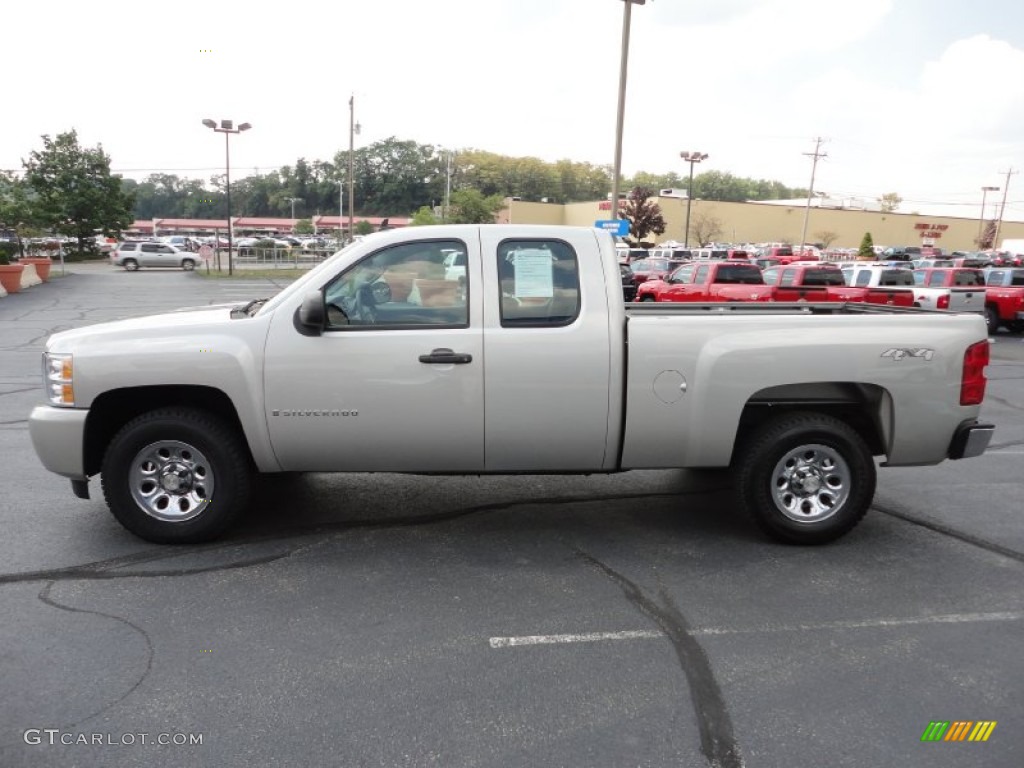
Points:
x=311 y=313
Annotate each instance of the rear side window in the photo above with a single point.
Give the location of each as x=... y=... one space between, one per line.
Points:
x=968 y=278
x=736 y=274
x=823 y=277
x=788 y=277
x=891 y=277
x=539 y=283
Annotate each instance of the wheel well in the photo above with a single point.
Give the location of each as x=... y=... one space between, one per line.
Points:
x=112 y=410
x=861 y=406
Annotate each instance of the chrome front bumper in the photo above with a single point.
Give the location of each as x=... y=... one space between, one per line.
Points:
x=58 y=435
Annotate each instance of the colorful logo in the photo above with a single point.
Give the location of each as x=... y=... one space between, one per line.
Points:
x=958 y=730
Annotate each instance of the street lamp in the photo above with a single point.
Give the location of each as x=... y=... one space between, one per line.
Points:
x=227 y=127
x=293 y=201
x=981 y=219
x=692 y=158
x=620 y=117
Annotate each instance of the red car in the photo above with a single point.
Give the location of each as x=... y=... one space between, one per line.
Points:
x=1004 y=299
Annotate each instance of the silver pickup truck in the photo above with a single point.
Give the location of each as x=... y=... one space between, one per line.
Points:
x=383 y=360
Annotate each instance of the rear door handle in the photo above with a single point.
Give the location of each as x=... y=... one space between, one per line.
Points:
x=445 y=356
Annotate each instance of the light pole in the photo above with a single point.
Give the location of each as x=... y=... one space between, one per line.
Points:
x=353 y=129
x=620 y=117
x=981 y=219
x=227 y=127
x=692 y=158
x=293 y=201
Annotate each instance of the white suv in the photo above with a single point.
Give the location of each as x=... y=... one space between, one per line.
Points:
x=131 y=256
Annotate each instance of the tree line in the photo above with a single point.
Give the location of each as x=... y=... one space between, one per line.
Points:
x=397 y=178
x=69 y=189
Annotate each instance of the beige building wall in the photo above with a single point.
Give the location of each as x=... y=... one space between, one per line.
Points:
x=762 y=223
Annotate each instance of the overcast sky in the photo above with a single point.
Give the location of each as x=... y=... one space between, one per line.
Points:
x=913 y=97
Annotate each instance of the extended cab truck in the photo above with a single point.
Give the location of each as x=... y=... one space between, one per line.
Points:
x=652 y=269
x=708 y=281
x=955 y=289
x=1004 y=299
x=879 y=276
x=374 y=362
x=825 y=282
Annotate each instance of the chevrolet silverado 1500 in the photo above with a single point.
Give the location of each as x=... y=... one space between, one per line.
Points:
x=375 y=362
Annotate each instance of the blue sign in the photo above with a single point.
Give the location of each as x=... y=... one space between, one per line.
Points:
x=618 y=227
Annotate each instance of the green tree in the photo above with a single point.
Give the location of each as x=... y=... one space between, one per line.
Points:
x=890 y=201
x=423 y=217
x=867 y=249
x=644 y=215
x=304 y=227
x=76 y=195
x=16 y=212
x=470 y=206
x=363 y=227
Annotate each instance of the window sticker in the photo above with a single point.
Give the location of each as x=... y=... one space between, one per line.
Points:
x=533 y=274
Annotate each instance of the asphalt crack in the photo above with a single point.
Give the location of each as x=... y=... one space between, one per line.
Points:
x=44 y=596
x=949 y=531
x=110 y=568
x=717 y=737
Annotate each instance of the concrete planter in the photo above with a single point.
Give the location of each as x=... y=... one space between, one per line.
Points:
x=10 y=277
x=42 y=264
x=29 y=276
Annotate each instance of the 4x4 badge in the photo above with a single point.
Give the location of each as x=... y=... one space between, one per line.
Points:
x=900 y=353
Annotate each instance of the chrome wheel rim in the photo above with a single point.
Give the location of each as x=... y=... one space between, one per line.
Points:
x=171 y=481
x=811 y=483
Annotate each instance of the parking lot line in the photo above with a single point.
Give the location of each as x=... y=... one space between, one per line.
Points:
x=647 y=634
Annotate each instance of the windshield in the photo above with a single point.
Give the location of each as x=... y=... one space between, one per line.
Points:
x=311 y=278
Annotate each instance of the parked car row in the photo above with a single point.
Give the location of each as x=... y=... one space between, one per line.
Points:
x=998 y=293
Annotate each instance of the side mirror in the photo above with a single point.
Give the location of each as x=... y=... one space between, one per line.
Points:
x=311 y=313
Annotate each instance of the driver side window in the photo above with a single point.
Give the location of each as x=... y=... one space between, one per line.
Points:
x=412 y=285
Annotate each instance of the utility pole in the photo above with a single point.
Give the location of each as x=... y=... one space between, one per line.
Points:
x=810 y=192
x=1002 y=207
x=981 y=219
x=447 y=188
x=353 y=129
x=620 y=117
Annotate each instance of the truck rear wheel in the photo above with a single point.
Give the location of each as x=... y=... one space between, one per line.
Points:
x=992 y=319
x=806 y=478
x=176 y=476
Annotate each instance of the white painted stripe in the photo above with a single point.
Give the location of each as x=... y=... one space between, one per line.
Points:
x=647 y=634
x=1004 y=453
x=586 y=637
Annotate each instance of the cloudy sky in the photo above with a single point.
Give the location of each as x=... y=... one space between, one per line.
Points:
x=912 y=97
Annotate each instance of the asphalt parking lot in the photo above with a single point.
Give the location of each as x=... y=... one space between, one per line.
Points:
x=625 y=620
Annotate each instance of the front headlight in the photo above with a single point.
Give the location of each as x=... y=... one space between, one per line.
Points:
x=58 y=378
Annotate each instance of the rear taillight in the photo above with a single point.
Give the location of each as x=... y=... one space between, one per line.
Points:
x=943 y=303
x=972 y=384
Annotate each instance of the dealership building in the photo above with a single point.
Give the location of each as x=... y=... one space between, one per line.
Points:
x=778 y=221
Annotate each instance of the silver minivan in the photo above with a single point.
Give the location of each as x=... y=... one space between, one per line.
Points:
x=131 y=256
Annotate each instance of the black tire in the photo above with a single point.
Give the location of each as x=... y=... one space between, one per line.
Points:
x=188 y=264
x=991 y=319
x=805 y=478
x=176 y=476
x=647 y=297
x=130 y=264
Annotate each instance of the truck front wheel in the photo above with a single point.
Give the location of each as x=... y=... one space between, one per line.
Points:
x=806 y=478
x=176 y=476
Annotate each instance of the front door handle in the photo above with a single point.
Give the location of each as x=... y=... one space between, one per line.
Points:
x=445 y=356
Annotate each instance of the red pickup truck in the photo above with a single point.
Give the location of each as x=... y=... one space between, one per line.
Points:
x=823 y=282
x=1004 y=299
x=653 y=269
x=708 y=281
